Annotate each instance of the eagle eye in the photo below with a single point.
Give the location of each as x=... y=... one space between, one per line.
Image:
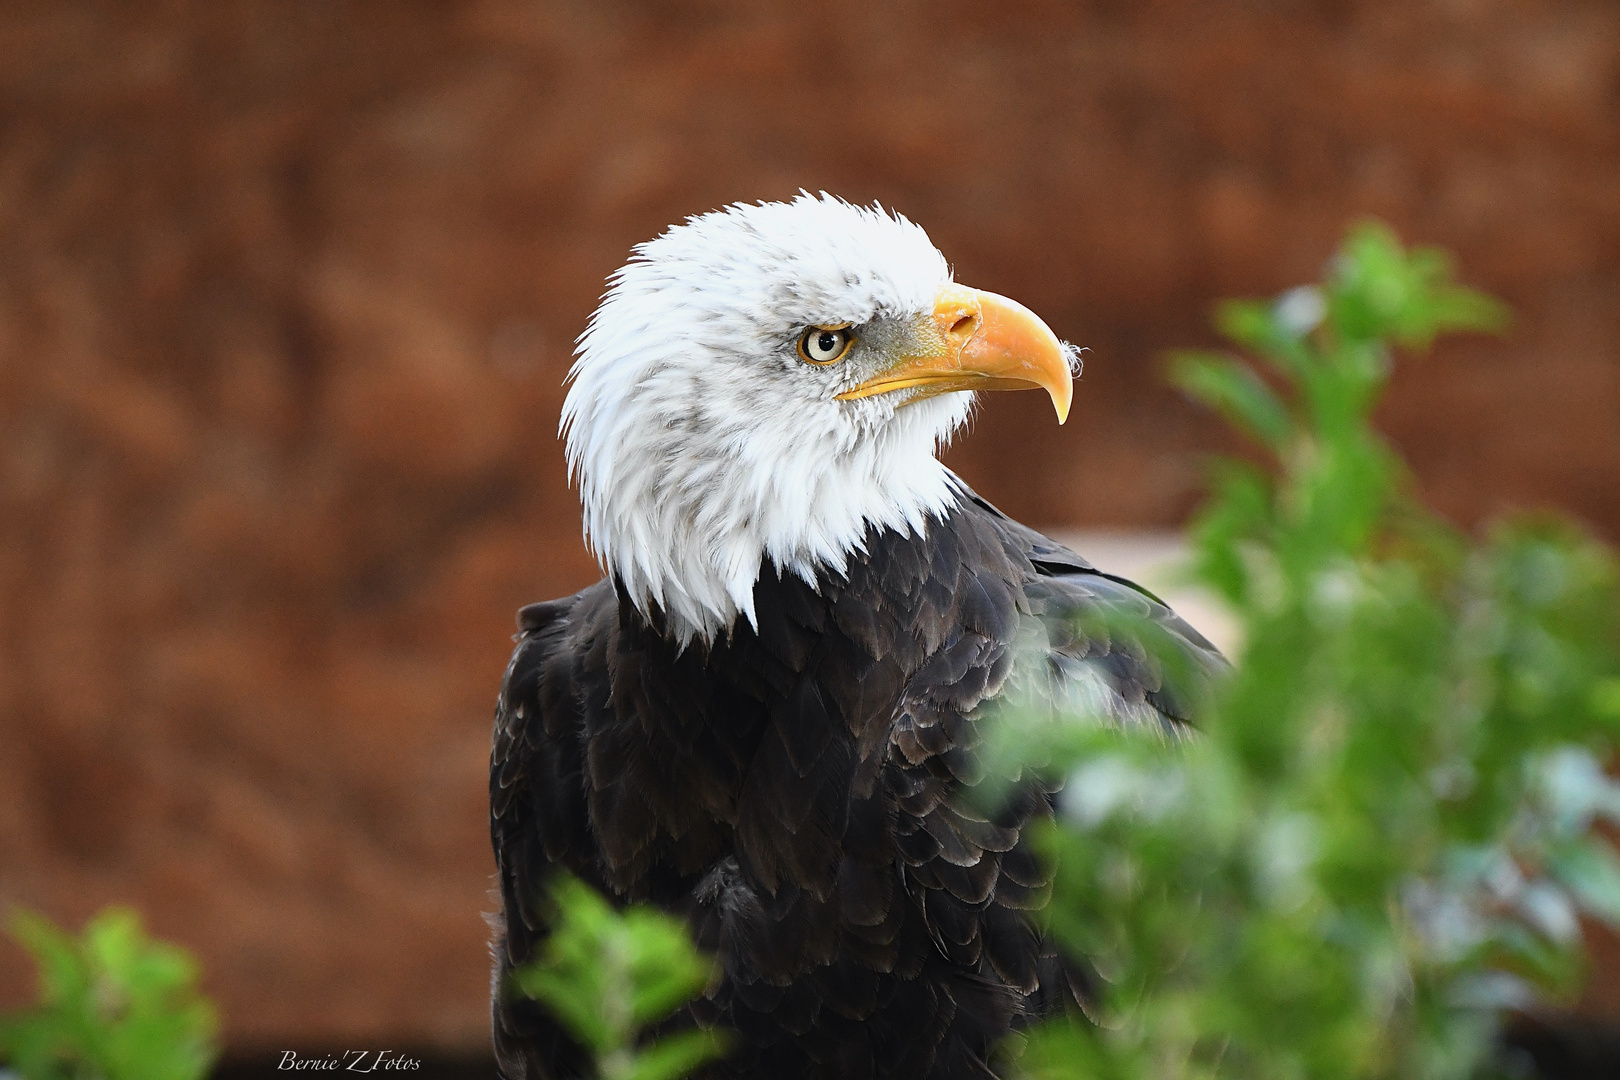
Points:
x=825 y=344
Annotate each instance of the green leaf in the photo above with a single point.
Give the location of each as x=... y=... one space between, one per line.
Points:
x=1234 y=390
x=1459 y=308
x=1271 y=330
x=675 y=1056
x=62 y=974
x=1605 y=698
x=1238 y=517
x=114 y=1005
x=1378 y=290
x=572 y=1001
x=607 y=974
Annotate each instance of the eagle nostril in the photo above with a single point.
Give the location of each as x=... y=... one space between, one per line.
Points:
x=965 y=325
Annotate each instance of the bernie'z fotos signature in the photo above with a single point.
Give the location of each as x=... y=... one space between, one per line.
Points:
x=349 y=1061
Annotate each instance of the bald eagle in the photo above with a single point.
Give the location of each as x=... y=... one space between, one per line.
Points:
x=767 y=717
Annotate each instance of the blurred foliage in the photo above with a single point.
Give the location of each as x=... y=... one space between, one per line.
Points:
x=609 y=975
x=113 y=1005
x=1381 y=838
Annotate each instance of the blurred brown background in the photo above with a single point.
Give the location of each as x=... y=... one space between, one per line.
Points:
x=287 y=292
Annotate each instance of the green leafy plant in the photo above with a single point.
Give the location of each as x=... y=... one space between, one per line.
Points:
x=113 y=1005
x=609 y=975
x=1381 y=838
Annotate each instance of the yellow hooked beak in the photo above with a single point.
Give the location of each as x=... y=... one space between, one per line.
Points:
x=979 y=341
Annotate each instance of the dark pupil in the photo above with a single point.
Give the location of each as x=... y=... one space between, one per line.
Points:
x=826 y=341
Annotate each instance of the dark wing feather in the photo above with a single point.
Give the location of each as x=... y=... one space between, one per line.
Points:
x=1083 y=641
x=538 y=816
x=1124 y=646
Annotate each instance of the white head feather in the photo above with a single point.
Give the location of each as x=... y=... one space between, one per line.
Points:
x=701 y=442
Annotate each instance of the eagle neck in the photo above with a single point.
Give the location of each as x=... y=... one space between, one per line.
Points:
x=688 y=555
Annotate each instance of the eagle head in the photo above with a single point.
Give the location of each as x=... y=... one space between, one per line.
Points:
x=770 y=382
